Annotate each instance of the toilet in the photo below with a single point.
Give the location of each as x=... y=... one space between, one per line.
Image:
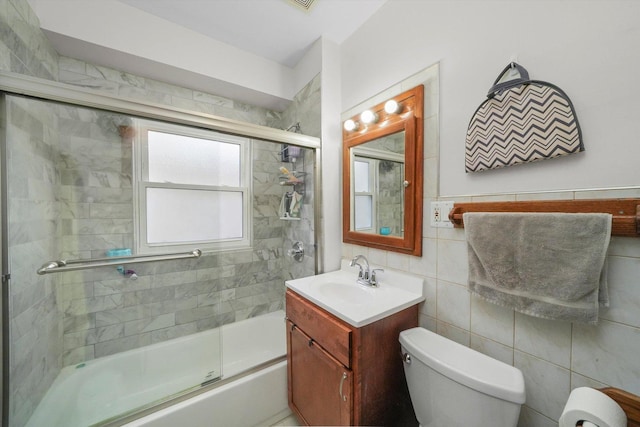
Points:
x=454 y=386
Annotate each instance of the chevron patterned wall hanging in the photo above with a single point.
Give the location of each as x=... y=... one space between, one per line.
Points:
x=521 y=121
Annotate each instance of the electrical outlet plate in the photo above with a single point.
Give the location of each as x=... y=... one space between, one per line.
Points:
x=439 y=214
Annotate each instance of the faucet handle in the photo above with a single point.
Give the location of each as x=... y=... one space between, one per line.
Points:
x=360 y=269
x=374 y=279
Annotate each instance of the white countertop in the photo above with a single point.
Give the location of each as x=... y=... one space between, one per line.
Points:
x=359 y=305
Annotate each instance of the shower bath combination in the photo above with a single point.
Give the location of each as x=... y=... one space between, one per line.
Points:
x=70 y=180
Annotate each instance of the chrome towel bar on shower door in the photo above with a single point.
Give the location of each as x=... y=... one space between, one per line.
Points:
x=83 y=264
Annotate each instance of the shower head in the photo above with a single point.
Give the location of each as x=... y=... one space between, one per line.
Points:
x=295 y=127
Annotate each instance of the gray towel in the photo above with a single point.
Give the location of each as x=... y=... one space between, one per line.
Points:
x=549 y=265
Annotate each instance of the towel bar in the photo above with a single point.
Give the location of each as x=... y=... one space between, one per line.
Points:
x=83 y=264
x=625 y=222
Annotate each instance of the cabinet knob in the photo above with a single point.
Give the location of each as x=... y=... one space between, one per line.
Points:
x=310 y=342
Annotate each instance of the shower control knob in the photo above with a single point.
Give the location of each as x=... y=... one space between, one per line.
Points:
x=297 y=251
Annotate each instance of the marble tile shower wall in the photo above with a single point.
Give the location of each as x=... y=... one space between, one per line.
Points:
x=261 y=281
x=127 y=85
x=303 y=230
x=71 y=194
x=260 y=274
x=24 y=48
x=35 y=329
x=105 y=313
x=305 y=110
x=33 y=217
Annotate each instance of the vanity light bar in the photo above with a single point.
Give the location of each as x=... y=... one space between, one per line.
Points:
x=392 y=106
x=351 y=125
x=369 y=116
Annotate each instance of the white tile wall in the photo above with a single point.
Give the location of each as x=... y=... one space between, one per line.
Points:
x=492 y=321
x=543 y=338
x=608 y=353
x=555 y=356
x=547 y=385
x=454 y=304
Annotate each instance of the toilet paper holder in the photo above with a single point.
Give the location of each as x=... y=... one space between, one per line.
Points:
x=586 y=404
x=629 y=402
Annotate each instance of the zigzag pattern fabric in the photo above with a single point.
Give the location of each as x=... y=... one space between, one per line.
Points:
x=525 y=123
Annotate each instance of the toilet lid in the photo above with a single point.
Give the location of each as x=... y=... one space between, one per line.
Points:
x=465 y=365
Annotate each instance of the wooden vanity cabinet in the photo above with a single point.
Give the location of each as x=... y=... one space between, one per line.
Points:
x=342 y=375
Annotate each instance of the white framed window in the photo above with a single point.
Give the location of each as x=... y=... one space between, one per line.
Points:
x=191 y=189
x=364 y=190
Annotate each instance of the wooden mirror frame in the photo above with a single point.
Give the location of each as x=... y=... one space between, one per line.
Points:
x=411 y=120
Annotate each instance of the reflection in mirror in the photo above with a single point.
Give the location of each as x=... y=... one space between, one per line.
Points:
x=378 y=174
x=382 y=177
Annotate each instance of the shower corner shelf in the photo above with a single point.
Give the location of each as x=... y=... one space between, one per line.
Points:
x=288 y=218
x=294 y=183
x=298 y=186
x=285 y=179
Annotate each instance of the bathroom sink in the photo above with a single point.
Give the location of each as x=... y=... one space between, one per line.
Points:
x=359 y=305
x=357 y=295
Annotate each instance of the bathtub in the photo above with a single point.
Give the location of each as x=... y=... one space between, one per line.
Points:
x=108 y=387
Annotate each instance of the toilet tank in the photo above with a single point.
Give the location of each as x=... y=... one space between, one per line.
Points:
x=453 y=385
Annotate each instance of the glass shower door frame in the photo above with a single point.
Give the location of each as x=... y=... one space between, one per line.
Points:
x=4 y=297
x=51 y=91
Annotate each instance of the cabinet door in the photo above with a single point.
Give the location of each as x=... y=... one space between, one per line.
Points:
x=320 y=387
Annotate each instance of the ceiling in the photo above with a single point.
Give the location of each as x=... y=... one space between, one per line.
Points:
x=182 y=42
x=274 y=29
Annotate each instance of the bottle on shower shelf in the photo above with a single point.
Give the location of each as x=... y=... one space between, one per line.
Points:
x=290 y=176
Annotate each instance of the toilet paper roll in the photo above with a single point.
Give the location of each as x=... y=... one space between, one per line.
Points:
x=588 y=404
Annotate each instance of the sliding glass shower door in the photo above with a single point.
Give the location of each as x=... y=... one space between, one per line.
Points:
x=89 y=344
x=84 y=186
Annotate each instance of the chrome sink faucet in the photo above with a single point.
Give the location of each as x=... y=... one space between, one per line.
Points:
x=366 y=276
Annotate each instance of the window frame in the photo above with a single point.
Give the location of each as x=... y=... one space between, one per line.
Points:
x=372 y=194
x=141 y=183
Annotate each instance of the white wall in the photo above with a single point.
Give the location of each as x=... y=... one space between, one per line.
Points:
x=331 y=238
x=591 y=49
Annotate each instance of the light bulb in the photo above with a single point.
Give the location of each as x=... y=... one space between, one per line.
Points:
x=368 y=116
x=350 y=125
x=391 y=106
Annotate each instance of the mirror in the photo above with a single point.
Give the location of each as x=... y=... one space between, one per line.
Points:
x=382 y=177
x=377 y=177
